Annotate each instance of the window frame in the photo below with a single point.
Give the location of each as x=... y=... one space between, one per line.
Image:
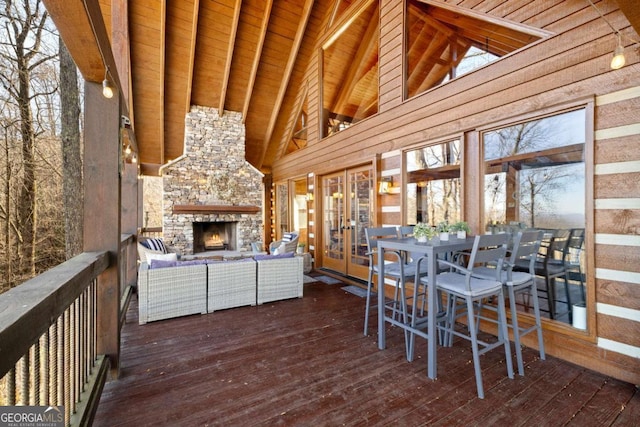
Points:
x=588 y=104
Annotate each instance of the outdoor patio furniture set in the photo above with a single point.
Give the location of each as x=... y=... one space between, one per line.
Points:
x=171 y=288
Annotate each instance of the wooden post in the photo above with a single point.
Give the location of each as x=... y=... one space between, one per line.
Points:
x=129 y=224
x=102 y=169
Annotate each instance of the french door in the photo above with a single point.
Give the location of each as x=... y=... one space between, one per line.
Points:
x=347 y=209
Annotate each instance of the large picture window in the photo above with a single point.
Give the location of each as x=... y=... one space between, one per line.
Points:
x=535 y=172
x=535 y=179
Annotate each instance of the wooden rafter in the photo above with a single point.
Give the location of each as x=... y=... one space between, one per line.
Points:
x=256 y=59
x=232 y=42
x=359 y=67
x=192 y=51
x=302 y=25
x=163 y=50
x=290 y=133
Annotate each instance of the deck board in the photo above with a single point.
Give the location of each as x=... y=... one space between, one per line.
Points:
x=305 y=362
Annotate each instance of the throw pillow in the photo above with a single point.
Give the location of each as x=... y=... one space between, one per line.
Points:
x=155 y=245
x=162 y=257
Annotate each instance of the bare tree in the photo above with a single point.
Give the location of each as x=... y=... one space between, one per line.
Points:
x=71 y=152
x=22 y=54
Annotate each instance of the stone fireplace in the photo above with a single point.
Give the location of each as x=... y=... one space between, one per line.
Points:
x=212 y=197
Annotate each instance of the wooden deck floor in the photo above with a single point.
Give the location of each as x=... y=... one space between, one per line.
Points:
x=305 y=362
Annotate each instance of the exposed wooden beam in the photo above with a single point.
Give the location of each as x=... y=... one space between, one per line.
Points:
x=232 y=42
x=182 y=21
x=357 y=69
x=631 y=10
x=192 y=52
x=163 y=72
x=120 y=41
x=293 y=53
x=84 y=33
x=256 y=59
x=291 y=125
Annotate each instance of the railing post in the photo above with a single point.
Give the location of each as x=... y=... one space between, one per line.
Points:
x=102 y=174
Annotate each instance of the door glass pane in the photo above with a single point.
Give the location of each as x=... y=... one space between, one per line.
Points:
x=300 y=210
x=282 y=205
x=361 y=213
x=433 y=183
x=333 y=206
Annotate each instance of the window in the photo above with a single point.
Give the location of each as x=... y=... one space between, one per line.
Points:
x=350 y=72
x=445 y=41
x=535 y=179
x=433 y=183
x=535 y=172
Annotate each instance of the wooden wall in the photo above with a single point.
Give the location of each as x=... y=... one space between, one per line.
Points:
x=570 y=66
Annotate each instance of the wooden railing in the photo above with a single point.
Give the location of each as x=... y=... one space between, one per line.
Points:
x=49 y=340
x=151 y=232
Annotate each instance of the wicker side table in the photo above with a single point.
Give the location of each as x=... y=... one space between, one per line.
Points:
x=307 y=262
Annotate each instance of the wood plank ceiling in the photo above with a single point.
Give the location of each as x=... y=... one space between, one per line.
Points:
x=232 y=55
x=249 y=56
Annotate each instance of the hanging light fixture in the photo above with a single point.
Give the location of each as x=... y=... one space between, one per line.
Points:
x=107 y=90
x=618 y=59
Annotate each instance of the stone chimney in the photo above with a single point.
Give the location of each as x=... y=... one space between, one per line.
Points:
x=211 y=186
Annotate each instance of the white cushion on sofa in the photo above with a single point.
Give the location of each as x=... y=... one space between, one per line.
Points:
x=161 y=257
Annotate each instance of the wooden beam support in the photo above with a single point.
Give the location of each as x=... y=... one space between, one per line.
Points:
x=102 y=170
x=286 y=75
x=256 y=59
x=229 y=60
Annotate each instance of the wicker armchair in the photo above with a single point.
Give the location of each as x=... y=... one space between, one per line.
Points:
x=290 y=241
x=153 y=246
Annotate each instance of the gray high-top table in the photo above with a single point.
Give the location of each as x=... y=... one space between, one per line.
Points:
x=432 y=248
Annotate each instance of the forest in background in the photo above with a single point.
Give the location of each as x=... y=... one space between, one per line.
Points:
x=40 y=145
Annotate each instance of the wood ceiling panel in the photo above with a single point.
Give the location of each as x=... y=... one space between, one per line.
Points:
x=281 y=33
x=181 y=23
x=147 y=78
x=248 y=45
x=215 y=23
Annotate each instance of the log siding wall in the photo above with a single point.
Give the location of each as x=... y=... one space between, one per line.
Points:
x=617 y=231
x=565 y=68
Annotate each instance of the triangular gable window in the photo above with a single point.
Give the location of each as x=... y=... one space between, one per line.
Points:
x=446 y=41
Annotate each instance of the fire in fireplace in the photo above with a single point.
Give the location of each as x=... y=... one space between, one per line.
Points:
x=214 y=236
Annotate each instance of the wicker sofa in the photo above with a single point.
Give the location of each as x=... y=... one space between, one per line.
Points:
x=169 y=289
x=279 y=278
